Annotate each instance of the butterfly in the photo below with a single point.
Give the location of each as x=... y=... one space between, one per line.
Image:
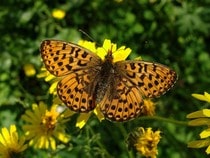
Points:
x=117 y=87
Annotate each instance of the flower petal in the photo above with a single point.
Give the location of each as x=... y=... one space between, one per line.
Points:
x=49 y=77
x=82 y=119
x=199 y=122
x=101 y=52
x=107 y=45
x=205 y=97
x=88 y=45
x=205 y=133
x=121 y=54
x=52 y=143
x=208 y=150
x=200 y=113
x=198 y=143
x=62 y=137
x=99 y=114
x=53 y=88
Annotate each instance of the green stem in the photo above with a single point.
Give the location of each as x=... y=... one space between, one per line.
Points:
x=99 y=143
x=184 y=123
x=125 y=135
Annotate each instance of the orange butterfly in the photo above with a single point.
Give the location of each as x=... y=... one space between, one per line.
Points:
x=118 y=87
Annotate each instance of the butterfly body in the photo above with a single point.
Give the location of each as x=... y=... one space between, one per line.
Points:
x=117 y=87
x=105 y=78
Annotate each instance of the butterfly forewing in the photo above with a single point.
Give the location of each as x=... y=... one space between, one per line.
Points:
x=61 y=58
x=152 y=79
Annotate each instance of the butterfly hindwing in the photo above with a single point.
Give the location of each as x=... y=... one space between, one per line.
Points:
x=76 y=90
x=123 y=104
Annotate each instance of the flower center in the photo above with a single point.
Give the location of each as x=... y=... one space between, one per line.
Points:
x=49 y=120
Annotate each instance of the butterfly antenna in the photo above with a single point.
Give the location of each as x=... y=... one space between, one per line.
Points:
x=86 y=34
x=91 y=38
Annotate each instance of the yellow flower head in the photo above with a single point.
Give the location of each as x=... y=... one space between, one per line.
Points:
x=10 y=144
x=58 y=14
x=144 y=141
x=44 y=126
x=29 y=70
x=148 y=107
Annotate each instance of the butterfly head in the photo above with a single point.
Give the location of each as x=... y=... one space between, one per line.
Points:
x=109 y=56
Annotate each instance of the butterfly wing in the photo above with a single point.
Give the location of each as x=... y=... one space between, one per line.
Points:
x=78 y=67
x=152 y=79
x=135 y=80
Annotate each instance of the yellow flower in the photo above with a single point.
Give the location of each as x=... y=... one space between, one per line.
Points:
x=29 y=70
x=10 y=144
x=58 y=14
x=201 y=118
x=45 y=126
x=148 y=107
x=144 y=141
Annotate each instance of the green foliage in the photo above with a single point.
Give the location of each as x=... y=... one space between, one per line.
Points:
x=175 y=33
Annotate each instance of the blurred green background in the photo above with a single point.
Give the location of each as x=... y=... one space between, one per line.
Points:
x=175 y=33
